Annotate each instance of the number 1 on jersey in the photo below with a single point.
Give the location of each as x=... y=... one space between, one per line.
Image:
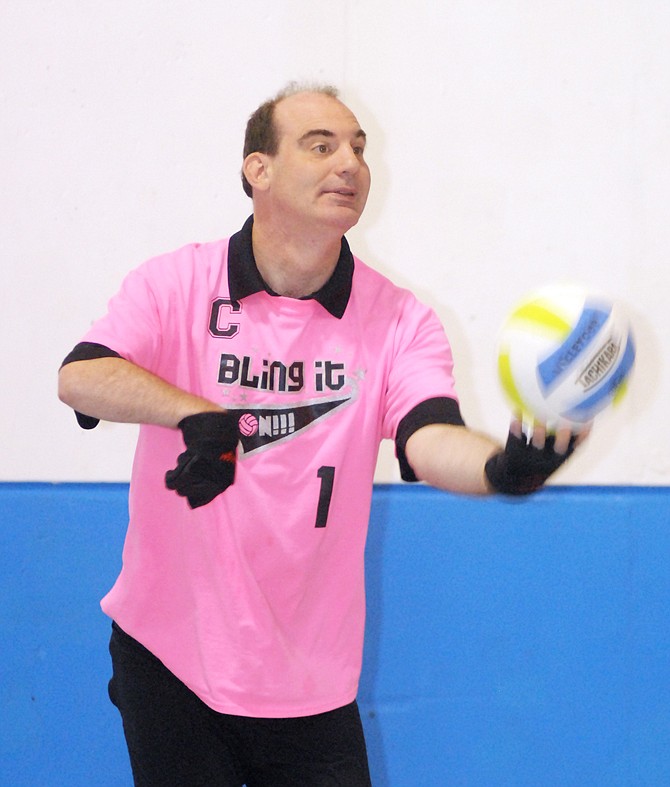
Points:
x=327 y=476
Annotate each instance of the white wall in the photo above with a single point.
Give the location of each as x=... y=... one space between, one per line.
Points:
x=511 y=144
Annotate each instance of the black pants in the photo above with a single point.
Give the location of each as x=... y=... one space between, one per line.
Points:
x=175 y=740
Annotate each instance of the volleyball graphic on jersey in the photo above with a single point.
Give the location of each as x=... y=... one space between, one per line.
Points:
x=564 y=355
x=248 y=424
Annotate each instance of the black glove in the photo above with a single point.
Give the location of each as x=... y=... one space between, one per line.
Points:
x=522 y=468
x=207 y=467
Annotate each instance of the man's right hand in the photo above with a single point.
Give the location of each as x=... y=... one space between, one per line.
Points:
x=207 y=467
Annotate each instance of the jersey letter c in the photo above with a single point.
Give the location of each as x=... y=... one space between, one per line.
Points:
x=232 y=328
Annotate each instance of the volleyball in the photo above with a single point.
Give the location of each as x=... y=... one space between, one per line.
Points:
x=564 y=354
x=248 y=424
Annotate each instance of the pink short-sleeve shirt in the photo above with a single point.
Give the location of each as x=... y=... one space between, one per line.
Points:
x=256 y=600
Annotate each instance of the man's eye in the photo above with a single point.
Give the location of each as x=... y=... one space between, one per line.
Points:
x=321 y=148
x=358 y=151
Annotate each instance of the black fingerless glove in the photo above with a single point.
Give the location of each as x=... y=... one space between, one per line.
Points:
x=522 y=468
x=207 y=467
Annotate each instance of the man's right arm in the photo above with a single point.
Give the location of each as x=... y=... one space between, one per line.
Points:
x=113 y=389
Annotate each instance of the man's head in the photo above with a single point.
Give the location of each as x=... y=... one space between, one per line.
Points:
x=261 y=133
x=304 y=159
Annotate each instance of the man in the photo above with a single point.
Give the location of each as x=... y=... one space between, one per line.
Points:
x=272 y=363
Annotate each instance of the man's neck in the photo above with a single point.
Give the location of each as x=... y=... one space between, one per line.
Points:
x=294 y=264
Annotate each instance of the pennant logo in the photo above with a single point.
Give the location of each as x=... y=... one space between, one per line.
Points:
x=262 y=427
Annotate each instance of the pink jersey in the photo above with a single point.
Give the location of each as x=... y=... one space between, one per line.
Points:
x=256 y=600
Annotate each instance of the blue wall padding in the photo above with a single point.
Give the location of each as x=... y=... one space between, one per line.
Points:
x=508 y=642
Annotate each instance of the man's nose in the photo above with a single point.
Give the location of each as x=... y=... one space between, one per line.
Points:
x=347 y=160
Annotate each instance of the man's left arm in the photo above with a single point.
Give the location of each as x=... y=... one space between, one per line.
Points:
x=458 y=459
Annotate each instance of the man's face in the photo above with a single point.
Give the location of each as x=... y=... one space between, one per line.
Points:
x=319 y=172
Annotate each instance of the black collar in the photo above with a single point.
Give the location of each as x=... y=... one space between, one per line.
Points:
x=245 y=279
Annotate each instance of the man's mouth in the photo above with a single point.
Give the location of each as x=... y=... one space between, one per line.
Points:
x=343 y=192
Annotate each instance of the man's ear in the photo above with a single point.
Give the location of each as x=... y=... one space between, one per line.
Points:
x=255 y=169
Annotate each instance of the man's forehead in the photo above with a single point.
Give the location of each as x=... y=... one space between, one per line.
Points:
x=302 y=112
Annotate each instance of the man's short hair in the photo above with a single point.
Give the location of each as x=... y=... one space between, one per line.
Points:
x=261 y=133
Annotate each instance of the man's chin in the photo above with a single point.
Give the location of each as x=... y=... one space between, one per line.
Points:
x=344 y=217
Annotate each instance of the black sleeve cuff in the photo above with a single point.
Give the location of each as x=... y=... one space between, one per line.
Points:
x=87 y=351
x=440 y=410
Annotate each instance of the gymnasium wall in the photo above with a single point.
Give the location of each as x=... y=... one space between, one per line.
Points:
x=510 y=145
x=515 y=643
